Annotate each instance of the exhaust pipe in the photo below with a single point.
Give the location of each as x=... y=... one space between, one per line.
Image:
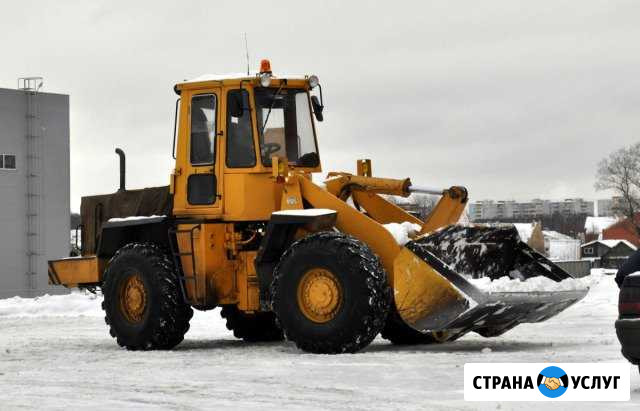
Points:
x=120 y=153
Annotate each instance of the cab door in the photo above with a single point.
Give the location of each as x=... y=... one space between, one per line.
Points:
x=197 y=181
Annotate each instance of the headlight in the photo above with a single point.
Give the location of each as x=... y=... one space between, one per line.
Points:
x=313 y=81
x=265 y=79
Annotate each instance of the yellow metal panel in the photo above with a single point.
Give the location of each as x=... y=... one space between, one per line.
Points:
x=249 y=197
x=364 y=168
x=184 y=168
x=418 y=289
x=71 y=272
x=218 y=279
x=210 y=280
x=447 y=211
x=291 y=196
x=247 y=282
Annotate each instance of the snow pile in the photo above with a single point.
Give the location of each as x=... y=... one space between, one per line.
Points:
x=402 y=232
x=540 y=283
x=525 y=231
x=135 y=218
x=77 y=304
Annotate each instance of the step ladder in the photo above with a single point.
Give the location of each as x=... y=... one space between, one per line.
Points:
x=177 y=255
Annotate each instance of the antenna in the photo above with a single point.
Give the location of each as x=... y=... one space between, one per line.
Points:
x=246 y=49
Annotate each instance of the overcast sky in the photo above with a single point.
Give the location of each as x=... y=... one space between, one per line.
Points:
x=514 y=100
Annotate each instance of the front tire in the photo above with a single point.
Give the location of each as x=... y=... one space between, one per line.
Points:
x=330 y=294
x=142 y=301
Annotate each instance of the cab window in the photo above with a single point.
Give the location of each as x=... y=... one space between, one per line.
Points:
x=240 y=148
x=203 y=129
x=285 y=127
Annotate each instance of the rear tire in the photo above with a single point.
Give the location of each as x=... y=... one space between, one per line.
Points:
x=142 y=301
x=258 y=327
x=330 y=294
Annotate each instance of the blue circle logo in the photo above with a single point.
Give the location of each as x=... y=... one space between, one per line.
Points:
x=553 y=382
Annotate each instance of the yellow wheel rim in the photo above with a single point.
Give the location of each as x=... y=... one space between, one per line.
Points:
x=133 y=298
x=319 y=295
x=441 y=336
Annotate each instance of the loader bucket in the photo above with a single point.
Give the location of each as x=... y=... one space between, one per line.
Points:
x=441 y=282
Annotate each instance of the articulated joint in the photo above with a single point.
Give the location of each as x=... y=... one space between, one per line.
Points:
x=458 y=192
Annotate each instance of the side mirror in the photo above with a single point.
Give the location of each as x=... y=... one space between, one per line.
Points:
x=317 y=108
x=236 y=106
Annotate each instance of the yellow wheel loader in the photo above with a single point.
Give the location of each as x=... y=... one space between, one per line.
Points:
x=242 y=226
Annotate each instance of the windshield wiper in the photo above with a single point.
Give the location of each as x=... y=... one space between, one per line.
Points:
x=273 y=102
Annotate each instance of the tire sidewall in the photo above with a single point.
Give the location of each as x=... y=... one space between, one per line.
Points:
x=352 y=278
x=117 y=273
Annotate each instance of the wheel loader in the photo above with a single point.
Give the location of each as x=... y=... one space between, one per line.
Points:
x=243 y=226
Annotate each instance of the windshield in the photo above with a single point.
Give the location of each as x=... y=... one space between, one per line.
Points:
x=284 y=124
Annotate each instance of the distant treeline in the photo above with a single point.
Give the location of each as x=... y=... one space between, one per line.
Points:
x=75 y=220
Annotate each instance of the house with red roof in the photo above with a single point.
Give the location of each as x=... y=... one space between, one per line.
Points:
x=623 y=230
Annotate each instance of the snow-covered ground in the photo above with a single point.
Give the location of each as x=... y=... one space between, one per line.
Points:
x=55 y=353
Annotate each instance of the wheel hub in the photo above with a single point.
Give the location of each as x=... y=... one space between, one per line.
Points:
x=319 y=295
x=441 y=336
x=133 y=298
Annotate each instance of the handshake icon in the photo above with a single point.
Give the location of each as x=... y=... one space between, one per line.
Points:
x=552 y=383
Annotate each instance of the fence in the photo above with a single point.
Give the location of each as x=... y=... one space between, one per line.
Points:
x=577 y=268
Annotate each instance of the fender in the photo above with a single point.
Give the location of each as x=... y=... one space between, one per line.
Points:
x=279 y=235
x=116 y=234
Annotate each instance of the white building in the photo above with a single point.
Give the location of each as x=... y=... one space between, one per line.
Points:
x=509 y=209
x=593 y=226
x=560 y=247
x=34 y=187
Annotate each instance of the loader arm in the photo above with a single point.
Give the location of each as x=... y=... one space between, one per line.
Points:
x=366 y=192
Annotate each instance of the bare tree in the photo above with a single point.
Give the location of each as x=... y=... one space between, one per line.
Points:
x=424 y=203
x=620 y=173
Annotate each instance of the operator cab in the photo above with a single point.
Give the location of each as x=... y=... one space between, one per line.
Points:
x=228 y=130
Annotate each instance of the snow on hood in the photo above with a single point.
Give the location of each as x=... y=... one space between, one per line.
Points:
x=76 y=304
x=310 y=212
x=236 y=76
x=134 y=218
